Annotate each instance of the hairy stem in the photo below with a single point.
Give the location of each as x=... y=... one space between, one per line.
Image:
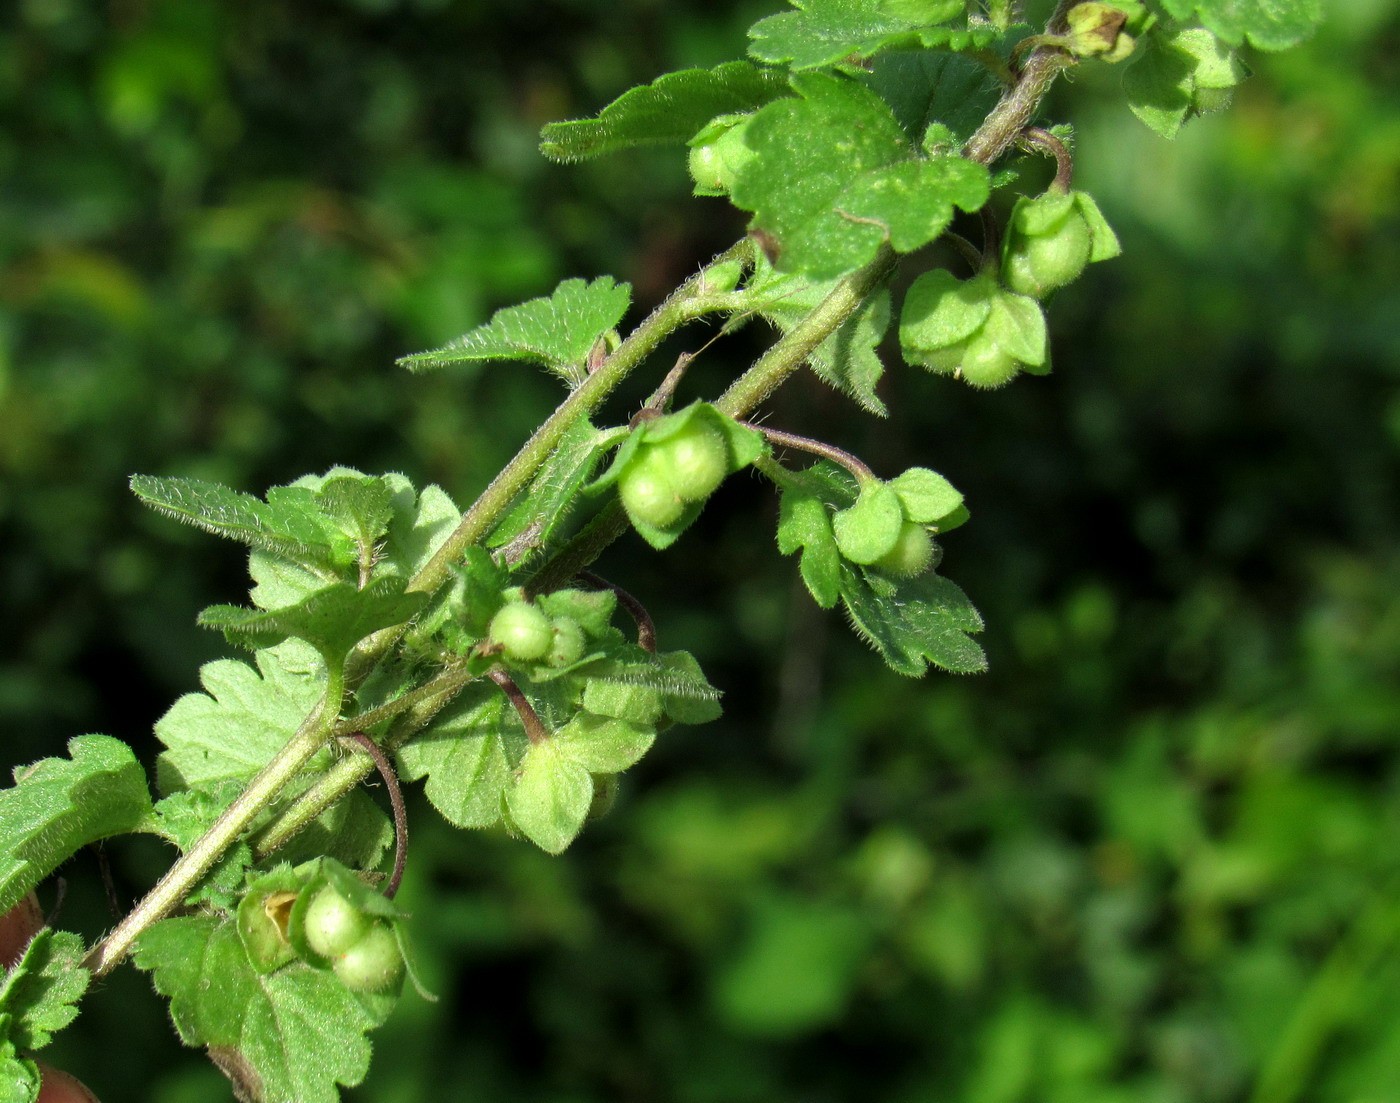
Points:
x=391 y=783
x=530 y=720
x=791 y=351
x=181 y=878
x=840 y=456
x=1036 y=138
x=353 y=769
x=685 y=304
x=449 y=681
x=1001 y=129
x=646 y=627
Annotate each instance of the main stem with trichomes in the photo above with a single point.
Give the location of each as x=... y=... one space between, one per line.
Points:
x=182 y=877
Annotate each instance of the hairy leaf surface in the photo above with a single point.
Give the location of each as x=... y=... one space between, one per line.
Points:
x=1268 y=24
x=925 y=620
x=332 y=620
x=835 y=177
x=38 y=995
x=244 y=717
x=59 y=805
x=669 y=110
x=464 y=757
x=288 y=524
x=292 y=1034
x=827 y=32
x=558 y=332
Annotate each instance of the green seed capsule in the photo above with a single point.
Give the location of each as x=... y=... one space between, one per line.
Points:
x=522 y=631
x=332 y=924
x=911 y=555
x=373 y=963
x=648 y=490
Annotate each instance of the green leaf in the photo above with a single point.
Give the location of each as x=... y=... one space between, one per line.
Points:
x=926 y=496
x=669 y=110
x=926 y=619
x=593 y=609
x=59 y=805
x=804 y=523
x=603 y=745
x=354 y=830
x=558 y=332
x=289 y=524
x=20 y=1076
x=927 y=88
x=869 y=529
x=624 y=700
x=633 y=668
x=332 y=620
x=826 y=32
x=911 y=203
x=835 y=178
x=38 y=994
x=1267 y=24
x=183 y=817
x=1179 y=73
x=421 y=523
x=244 y=718
x=1158 y=85
x=361 y=508
x=550 y=798
x=1017 y=323
x=846 y=360
x=698 y=703
x=292 y=1034
x=464 y=757
x=941 y=310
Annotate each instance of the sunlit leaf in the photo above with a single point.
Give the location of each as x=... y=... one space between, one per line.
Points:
x=59 y=805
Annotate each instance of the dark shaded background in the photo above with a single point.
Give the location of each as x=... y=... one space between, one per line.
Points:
x=1150 y=858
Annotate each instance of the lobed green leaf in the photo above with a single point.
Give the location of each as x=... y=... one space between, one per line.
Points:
x=1267 y=24
x=59 y=805
x=804 y=524
x=835 y=178
x=828 y=32
x=38 y=995
x=550 y=798
x=288 y=524
x=558 y=332
x=926 y=619
x=244 y=717
x=669 y=110
x=464 y=757
x=291 y=1034
x=332 y=620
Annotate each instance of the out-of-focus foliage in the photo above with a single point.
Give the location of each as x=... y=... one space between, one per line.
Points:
x=1149 y=858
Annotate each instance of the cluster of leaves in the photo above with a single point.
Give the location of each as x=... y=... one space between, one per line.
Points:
x=845 y=138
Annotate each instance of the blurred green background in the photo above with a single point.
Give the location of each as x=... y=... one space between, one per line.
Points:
x=1152 y=857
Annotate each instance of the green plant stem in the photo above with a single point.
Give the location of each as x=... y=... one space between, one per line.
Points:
x=1002 y=128
x=689 y=301
x=791 y=351
x=998 y=132
x=449 y=681
x=181 y=878
x=836 y=455
x=693 y=299
x=610 y=523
